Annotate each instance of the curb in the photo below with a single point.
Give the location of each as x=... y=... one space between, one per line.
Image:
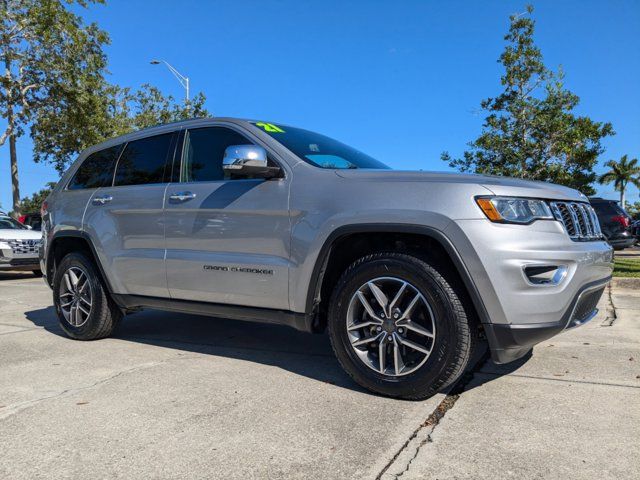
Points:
x=624 y=282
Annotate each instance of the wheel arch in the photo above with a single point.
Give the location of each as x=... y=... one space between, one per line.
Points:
x=65 y=242
x=317 y=294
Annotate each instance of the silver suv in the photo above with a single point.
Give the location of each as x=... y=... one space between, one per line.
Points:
x=257 y=221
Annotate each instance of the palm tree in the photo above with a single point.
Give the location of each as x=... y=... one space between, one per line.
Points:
x=621 y=174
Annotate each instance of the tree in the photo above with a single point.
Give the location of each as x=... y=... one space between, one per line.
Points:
x=51 y=60
x=149 y=107
x=621 y=174
x=633 y=209
x=32 y=204
x=110 y=111
x=530 y=131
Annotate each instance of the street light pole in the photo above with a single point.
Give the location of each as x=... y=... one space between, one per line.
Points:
x=184 y=81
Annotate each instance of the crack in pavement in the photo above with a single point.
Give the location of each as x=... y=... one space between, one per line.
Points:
x=15 y=408
x=19 y=331
x=423 y=437
x=611 y=308
x=566 y=380
x=433 y=420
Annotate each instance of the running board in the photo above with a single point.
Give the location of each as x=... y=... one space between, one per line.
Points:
x=299 y=321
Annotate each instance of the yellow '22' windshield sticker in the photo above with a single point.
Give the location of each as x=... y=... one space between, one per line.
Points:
x=269 y=127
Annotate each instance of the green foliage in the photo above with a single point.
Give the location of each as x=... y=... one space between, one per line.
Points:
x=61 y=135
x=149 y=107
x=633 y=209
x=530 y=131
x=32 y=204
x=54 y=84
x=622 y=173
x=49 y=54
x=626 y=267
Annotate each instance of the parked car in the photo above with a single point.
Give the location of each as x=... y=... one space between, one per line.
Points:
x=614 y=222
x=408 y=271
x=19 y=246
x=635 y=230
x=33 y=220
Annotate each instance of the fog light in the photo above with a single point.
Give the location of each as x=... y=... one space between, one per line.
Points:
x=545 y=274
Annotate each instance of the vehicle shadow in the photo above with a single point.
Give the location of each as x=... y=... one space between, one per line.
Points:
x=280 y=346
x=16 y=275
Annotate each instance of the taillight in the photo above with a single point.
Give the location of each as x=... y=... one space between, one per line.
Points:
x=22 y=218
x=621 y=219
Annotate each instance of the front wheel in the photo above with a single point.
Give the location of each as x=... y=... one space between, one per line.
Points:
x=84 y=308
x=398 y=327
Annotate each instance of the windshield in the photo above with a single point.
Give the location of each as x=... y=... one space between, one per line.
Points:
x=319 y=150
x=10 y=224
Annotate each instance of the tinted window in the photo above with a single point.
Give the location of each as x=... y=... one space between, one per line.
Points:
x=204 y=151
x=96 y=170
x=608 y=208
x=319 y=150
x=143 y=161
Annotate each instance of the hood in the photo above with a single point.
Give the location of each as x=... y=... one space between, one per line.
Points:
x=505 y=186
x=13 y=234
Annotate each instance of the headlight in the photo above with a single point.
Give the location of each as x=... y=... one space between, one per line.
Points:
x=514 y=209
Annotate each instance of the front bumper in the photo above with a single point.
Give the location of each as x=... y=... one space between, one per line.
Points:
x=19 y=264
x=510 y=342
x=521 y=312
x=622 y=241
x=13 y=261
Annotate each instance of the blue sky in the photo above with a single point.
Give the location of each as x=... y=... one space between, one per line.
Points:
x=401 y=80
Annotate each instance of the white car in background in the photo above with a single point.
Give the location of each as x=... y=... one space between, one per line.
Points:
x=19 y=246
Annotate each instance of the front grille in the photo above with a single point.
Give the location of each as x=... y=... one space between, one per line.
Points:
x=585 y=306
x=24 y=247
x=579 y=220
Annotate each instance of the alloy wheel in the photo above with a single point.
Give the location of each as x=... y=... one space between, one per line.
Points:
x=75 y=296
x=391 y=326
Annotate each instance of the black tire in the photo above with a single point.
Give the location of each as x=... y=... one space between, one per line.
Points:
x=37 y=273
x=452 y=347
x=104 y=314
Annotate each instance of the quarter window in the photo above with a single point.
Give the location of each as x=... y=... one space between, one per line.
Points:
x=144 y=161
x=96 y=170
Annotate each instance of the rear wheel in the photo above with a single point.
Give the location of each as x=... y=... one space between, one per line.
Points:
x=84 y=308
x=398 y=327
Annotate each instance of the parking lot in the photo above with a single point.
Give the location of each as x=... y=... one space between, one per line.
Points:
x=177 y=396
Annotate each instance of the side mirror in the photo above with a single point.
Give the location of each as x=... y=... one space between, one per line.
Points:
x=29 y=227
x=248 y=160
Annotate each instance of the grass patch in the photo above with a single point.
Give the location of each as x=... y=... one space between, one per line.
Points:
x=626 y=267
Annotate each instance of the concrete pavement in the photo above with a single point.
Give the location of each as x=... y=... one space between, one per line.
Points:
x=571 y=411
x=177 y=396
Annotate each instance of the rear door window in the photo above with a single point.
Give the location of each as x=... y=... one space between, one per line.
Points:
x=144 y=161
x=96 y=170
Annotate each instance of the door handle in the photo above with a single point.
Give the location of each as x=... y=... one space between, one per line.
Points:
x=182 y=196
x=102 y=200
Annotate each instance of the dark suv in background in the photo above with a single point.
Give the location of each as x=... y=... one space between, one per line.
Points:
x=615 y=223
